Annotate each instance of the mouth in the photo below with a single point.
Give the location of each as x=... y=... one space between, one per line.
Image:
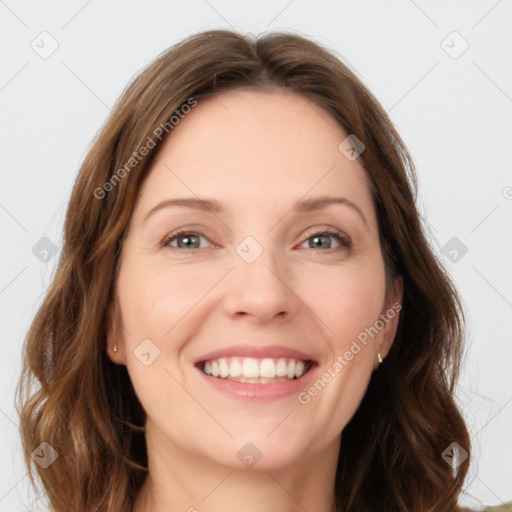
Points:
x=253 y=370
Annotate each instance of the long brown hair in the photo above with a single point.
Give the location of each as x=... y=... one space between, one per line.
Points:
x=84 y=406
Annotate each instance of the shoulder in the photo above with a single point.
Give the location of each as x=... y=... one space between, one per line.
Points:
x=505 y=507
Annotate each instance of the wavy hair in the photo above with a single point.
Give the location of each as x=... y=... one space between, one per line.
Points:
x=84 y=405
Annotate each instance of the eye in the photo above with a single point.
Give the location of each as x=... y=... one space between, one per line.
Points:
x=190 y=240
x=321 y=239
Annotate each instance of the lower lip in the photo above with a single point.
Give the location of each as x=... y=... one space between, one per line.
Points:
x=264 y=392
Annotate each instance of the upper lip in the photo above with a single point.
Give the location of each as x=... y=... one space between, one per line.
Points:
x=259 y=352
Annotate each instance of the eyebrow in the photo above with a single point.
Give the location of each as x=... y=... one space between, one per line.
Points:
x=211 y=205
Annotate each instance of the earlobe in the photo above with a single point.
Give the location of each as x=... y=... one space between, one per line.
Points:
x=114 y=343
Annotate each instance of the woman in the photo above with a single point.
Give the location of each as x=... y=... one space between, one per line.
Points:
x=246 y=313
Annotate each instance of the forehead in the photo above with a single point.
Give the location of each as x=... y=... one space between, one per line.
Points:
x=254 y=149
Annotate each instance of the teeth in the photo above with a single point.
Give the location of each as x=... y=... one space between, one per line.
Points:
x=252 y=370
x=223 y=368
x=281 y=368
x=267 y=368
x=235 y=369
x=299 y=369
x=291 y=369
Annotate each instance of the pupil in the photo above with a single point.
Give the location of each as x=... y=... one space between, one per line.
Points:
x=327 y=246
x=187 y=238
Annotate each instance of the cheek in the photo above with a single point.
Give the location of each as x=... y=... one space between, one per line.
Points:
x=347 y=300
x=154 y=304
x=154 y=300
x=166 y=305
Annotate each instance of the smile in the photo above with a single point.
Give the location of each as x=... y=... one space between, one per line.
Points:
x=255 y=371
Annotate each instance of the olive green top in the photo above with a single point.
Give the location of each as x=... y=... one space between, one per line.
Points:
x=506 y=507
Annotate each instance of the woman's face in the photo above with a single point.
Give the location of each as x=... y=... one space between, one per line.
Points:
x=256 y=285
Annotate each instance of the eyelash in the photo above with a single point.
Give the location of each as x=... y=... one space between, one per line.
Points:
x=344 y=240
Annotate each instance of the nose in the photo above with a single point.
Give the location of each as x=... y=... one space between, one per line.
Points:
x=261 y=290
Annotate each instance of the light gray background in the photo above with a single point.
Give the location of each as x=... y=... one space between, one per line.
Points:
x=453 y=111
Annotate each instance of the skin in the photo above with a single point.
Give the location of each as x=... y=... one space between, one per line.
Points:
x=258 y=153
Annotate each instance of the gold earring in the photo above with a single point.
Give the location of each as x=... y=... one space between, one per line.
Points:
x=115 y=348
x=380 y=358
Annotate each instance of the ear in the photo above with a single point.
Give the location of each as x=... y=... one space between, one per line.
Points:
x=391 y=315
x=115 y=335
